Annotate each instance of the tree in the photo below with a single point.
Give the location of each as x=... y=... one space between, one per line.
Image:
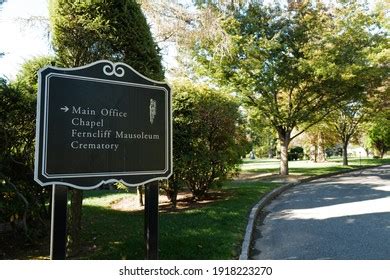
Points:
x=22 y=202
x=115 y=30
x=178 y=24
x=208 y=138
x=17 y=197
x=262 y=135
x=379 y=133
x=346 y=124
x=28 y=75
x=86 y=31
x=360 y=39
x=292 y=66
x=263 y=55
x=315 y=140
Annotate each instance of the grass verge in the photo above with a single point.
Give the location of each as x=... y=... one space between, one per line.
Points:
x=214 y=231
x=307 y=168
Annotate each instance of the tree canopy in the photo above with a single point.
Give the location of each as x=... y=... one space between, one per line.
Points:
x=294 y=66
x=86 y=31
x=379 y=129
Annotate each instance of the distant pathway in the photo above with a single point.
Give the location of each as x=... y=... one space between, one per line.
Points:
x=340 y=217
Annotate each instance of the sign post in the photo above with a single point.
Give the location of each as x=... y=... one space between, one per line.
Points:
x=102 y=123
x=151 y=220
x=58 y=223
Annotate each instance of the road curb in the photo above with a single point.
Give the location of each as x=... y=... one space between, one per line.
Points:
x=265 y=200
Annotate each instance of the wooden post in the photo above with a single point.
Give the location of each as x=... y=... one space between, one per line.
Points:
x=58 y=223
x=151 y=220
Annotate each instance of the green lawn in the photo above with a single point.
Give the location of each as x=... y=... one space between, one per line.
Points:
x=214 y=231
x=308 y=168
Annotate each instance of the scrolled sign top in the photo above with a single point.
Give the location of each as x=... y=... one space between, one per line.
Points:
x=102 y=123
x=115 y=69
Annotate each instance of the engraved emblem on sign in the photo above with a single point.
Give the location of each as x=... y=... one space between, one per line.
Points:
x=152 y=110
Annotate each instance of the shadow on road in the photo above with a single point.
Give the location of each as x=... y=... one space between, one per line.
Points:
x=342 y=217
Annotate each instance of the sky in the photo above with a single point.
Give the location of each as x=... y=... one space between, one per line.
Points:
x=21 y=41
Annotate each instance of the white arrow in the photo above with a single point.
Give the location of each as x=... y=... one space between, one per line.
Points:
x=65 y=109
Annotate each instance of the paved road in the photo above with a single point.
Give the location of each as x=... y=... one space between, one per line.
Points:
x=340 y=217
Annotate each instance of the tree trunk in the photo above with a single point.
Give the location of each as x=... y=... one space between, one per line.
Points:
x=367 y=152
x=270 y=153
x=313 y=153
x=74 y=224
x=284 y=159
x=284 y=137
x=320 y=149
x=271 y=149
x=345 y=153
x=172 y=196
x=140 y=195
x=321 y=156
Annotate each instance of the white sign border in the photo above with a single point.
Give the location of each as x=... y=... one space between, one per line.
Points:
x=115 y=68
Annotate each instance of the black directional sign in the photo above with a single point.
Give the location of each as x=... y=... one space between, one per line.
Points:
x=102 y=123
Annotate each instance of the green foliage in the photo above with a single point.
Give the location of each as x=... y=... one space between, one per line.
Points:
x=379 y=135
x=86 y=31
x=266 y=62
x=295 y=153
x=353 y=51
x=208 y=137
x=294 y=66
x=262 y=136
x=28 y=75
x=22 y=201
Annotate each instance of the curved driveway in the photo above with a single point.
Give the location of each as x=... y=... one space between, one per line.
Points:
x=341 y=217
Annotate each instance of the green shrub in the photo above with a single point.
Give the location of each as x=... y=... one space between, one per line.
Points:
x=296 y=153
x=208 y=140
x=22 y=201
